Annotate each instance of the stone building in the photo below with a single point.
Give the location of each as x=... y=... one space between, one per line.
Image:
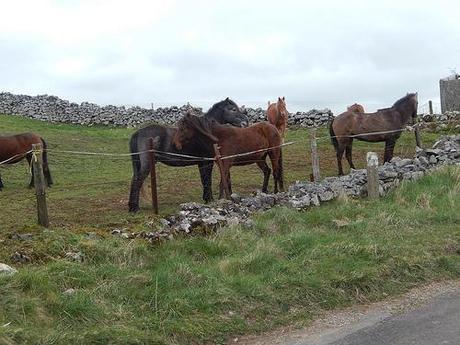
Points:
x=450 y=93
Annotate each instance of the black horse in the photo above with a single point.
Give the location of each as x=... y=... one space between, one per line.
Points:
x=225 y=112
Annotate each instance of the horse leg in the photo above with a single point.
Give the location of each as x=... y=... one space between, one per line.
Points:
x=225 y=175
x=32 y=177
x=266 y=171
x=348 y=150
x=206 y=180
x=229 y=179
x=1 y=183
x=277 y=167
x=46 y=172
x=389 y=148
x=139 y=175
x=340 y=148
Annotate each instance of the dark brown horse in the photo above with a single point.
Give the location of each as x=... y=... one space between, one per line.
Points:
x=14 y=148
x=277 y=115
x=356 y=108
x=388 y=124
x=262 y=137
x=226 y=111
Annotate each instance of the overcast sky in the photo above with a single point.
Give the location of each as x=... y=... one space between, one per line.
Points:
x=315 y=53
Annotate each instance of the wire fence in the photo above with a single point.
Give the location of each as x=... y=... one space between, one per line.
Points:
x=188 y=158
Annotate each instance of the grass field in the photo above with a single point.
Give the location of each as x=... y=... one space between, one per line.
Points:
x=285 y=270
x=91 y=192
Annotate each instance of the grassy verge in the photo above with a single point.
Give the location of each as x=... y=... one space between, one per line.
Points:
x=194 y=290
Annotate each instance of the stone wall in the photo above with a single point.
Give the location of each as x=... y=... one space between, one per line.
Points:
x=54 y=109
x=450 y=93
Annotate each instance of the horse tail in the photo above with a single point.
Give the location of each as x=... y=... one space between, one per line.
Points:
x=334 y=140
x=136 y=159
x=46 y=170
x=281 y=173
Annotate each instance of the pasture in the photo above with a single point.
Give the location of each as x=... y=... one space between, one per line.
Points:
x=285 y=271
x=91 y=192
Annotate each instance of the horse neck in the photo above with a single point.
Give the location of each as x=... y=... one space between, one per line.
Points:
x=406 y=112
x=214 y=113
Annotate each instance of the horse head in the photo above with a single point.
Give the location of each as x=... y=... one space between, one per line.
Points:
x=281 y=105
x=407 y=106
x=227 y=111
x=357 y=108
x=191 y=128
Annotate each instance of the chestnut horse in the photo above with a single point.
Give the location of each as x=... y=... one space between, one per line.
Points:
x=277 y=115
x=262 y=137
x=13 y=149
x=353 y=125
x=356 y=108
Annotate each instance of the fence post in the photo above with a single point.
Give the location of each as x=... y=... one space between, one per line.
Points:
x=430 y=106
x=222 y=177
x=418 y=140
x=39 y=181
x=153 y=176
x=314 y=156
x=372 y=175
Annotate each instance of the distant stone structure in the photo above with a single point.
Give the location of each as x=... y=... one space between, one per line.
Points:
x=450 y=93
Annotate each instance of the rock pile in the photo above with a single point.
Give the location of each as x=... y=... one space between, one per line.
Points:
x=54 y=109
x=194 y=217
x=312 y=118
x=446 y=117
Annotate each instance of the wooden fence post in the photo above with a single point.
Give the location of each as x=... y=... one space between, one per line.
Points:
x=39 y=181
x=153 y=176
x=314 y=156
x=372 y=175
x=430 y=107
x=221 y=169
x=418 y=140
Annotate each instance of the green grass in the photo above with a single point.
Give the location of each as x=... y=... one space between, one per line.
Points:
x=287 y=269
x=91 y=193
x=191 y=290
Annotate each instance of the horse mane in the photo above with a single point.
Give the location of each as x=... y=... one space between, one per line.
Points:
x=200 y=123
x=402 y=100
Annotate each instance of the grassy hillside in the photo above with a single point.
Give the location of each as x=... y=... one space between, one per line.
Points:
x=285 y=270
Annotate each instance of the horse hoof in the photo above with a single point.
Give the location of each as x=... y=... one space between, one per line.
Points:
x=133 y=208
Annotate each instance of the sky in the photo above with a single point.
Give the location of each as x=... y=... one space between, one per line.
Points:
x=315 y=53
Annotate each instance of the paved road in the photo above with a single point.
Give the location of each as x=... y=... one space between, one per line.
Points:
x=434 y=324
x=427 y=315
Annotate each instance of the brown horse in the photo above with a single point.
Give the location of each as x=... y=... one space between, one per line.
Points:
x=277 y=115
x=388 y=124
x=14 y=148
x=356 y=108
x=262 y=137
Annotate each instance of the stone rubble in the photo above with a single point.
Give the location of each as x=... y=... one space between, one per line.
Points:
x=54 y=109
x=7 y=270
x=198 y=218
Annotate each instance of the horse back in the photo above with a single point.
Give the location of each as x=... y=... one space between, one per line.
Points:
x=17 y=144
x=261 y=135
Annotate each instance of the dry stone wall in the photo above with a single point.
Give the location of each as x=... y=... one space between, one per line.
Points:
x=53 y=109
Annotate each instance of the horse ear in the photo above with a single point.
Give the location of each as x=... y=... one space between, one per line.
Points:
x=283 y=98
x=227 y=99
x=279 y=99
